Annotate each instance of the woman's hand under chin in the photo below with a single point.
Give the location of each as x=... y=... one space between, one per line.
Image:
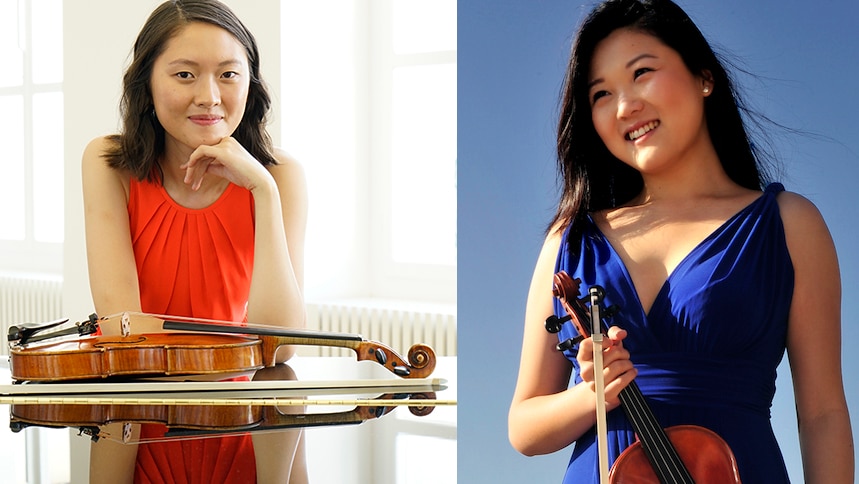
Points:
x=227 y=159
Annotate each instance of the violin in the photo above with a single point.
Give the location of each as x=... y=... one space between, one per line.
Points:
x=196 y=347
x=680 y=454
x=186 y=421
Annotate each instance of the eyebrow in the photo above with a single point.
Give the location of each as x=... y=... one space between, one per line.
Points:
x=628 y=65
x=189 y=62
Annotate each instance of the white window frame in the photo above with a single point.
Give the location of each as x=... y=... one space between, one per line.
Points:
x=395 y=279
x=336 y=117
x=29 y=254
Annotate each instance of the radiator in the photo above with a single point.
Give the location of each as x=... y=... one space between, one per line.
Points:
x=25 y=298
x=28 y=299
x=397 y=327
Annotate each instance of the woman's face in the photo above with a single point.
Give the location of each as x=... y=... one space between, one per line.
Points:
x=646 y=106
x=200 y=86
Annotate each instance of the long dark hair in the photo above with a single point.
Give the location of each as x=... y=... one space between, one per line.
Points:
x=594 y=179
x=140 y=143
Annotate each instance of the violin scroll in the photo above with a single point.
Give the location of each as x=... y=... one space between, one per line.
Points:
x=422 y=410
x=566 y=290
x=421 y=358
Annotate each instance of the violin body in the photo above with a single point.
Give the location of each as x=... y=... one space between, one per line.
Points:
x=706 y=455
x=157 y=354
x=189 y=347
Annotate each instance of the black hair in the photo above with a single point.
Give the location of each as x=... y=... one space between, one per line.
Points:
x=140 y=143
x=592 y=178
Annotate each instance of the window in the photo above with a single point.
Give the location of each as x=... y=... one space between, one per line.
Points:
x=31 y=131
x=369 y=108
x=413 y=144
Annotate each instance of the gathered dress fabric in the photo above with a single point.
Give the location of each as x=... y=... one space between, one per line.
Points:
x=193 y=263
x=708 y=349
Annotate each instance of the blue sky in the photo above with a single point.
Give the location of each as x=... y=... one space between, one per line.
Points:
x=512 y=55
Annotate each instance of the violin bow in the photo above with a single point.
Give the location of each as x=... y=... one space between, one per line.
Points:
x=596 y=294
x=580 y=313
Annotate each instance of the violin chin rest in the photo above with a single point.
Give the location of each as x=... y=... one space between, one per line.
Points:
x=25 y=330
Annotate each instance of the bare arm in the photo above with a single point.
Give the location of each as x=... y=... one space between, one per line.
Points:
x=110 y=258
x=546 y=415
x=277 y=287
x=814 y=343
x=113 y=282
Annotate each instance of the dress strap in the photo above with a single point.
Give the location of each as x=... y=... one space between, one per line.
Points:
x=774 y=188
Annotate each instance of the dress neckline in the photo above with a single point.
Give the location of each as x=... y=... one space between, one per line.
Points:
x=170 y=200
x=771 y=189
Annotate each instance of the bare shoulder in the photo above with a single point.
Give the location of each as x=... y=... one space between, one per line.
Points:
x=549 y=252
x=286 y=161
x=95 y=168
x=799 y=214
x=291 y=181
x=808 y=239
x=288 y=171
x=95 y=151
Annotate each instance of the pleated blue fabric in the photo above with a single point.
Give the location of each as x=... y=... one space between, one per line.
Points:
x=708 y=349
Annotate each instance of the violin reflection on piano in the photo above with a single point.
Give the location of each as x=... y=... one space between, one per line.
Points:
x=207 y=419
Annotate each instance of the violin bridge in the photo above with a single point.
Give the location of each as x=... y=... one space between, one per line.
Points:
x=125 y=324
x=126 y=432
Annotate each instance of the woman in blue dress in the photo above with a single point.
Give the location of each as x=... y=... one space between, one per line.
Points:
x=717 y=272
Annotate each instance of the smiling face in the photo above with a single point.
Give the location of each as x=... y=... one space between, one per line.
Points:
x=646 y=106
x=200 y=86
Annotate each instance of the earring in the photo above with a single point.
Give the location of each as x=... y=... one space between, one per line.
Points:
x=706 y=90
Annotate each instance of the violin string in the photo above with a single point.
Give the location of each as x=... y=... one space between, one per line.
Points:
x=636 y=416
x=670 y=462
x=649 y=440
x=654 y=439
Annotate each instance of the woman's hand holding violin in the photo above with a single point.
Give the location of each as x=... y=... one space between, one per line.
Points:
x=618 y=370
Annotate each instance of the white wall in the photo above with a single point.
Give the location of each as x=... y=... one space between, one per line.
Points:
x=98 y=36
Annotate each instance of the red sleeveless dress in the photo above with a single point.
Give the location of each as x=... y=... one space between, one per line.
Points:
x=193 y=263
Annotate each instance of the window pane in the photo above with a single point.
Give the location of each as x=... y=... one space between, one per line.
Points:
x=11 y=56
x=48 y=166
x=12 y=166
x=47 y=41
x=423 y=169
x=424 y=25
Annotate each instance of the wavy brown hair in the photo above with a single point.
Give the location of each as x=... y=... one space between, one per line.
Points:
x=140 y=143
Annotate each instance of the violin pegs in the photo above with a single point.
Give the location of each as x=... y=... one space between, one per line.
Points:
x=568 y=344
x=611 y=311
x=402 y=371
x=380 y=355
x=554 y=323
